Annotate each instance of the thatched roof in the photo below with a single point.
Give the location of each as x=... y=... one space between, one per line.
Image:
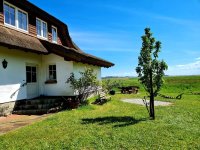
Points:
x=22 y=41
x=71 y=54
x=14 y=39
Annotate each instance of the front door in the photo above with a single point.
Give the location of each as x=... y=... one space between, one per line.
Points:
x=32 y=82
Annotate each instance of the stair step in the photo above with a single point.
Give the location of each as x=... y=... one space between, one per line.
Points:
x=38 y=106
x=31 y=112
x=38 y=101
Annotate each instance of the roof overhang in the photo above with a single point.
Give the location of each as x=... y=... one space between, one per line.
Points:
x=16 y=40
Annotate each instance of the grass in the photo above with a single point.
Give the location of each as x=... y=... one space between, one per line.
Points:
x=173 y=85
x=118 y=125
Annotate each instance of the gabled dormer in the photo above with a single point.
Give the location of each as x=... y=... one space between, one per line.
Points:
x=28 y=18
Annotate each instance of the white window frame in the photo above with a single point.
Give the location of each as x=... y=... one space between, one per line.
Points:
x=16 y=18
x=41 y=36
x=56 y=34
x=48 y=74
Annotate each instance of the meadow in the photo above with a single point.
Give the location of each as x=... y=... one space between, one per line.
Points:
x=119 y=125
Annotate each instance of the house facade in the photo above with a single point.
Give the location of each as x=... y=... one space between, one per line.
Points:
x=37 y=54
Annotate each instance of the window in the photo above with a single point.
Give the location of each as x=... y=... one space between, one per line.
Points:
x=9 y=13
x=22 y=20
x=15 y=17
x=44 y=30
x=54 y=34
x=41 y=28
x=52 y=72
x=31 y=74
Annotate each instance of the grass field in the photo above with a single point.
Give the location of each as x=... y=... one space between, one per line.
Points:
x=174 y=84
x=119 y=125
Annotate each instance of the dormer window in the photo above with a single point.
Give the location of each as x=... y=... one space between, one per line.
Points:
x=14 y=17
x=41 y=28
x=54 y=34
x=22 y=20
x=9 y=13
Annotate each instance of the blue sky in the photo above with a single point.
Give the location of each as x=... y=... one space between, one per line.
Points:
x=112 y=29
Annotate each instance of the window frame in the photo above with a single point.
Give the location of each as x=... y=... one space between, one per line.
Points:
x=18 y=19
x=49 y=78
x=16 y=26
x=31 y=74
x=5 y=14
x=53 y=27
x=42 y=33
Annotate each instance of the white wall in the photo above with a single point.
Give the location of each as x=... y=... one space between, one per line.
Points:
x=14 y=75
x=79 y=67
x=63 y=69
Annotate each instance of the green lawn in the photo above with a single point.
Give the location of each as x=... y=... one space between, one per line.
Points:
x=118 y=125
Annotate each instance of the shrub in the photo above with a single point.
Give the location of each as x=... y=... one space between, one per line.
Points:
x=85 y=85
x=108 y=85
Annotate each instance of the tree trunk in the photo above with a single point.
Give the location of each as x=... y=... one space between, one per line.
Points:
x=152 y=112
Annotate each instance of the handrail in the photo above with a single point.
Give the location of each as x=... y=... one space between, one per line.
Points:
x=24 y=84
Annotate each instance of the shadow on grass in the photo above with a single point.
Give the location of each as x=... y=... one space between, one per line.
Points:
x=118 y=121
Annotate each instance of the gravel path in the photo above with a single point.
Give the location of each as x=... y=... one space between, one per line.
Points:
x=140 y=102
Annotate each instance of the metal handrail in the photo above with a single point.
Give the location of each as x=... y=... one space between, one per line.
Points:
x=24 y=84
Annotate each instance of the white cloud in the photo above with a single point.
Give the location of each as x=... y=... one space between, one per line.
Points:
x=198 y=58
x=192 y=68
x=119 y=74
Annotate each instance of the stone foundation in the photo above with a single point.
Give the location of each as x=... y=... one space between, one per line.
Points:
x=6 y=108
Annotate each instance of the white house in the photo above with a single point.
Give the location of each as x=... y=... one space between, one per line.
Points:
x=37 y=54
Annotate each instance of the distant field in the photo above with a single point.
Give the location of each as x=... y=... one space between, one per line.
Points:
x=118 y=125
x=173 y=84
x=182 y=84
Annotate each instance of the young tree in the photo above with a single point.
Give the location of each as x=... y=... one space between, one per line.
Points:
x=150 y=70
x=85 y=85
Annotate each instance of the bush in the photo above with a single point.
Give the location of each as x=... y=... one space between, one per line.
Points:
x=108 y=85
x=85 y=85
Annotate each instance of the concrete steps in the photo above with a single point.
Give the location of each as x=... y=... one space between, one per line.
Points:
x=38 y=106
x=31 y=112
